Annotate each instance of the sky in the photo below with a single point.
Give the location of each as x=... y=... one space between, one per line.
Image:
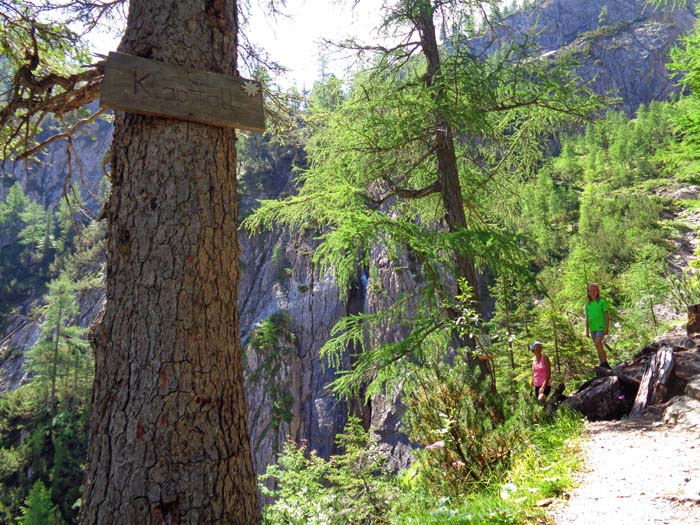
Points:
x=293 y=41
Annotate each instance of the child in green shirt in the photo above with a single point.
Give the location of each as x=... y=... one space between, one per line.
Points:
x=597 y=322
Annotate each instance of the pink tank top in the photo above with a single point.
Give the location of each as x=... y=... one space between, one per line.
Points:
x=539 y=371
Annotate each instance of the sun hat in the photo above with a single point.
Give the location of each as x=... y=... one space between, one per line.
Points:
x=533 y=345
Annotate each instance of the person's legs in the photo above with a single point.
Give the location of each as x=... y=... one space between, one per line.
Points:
x=541 y=392
x=598 y=342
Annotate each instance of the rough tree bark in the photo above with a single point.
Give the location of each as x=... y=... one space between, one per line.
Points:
x=169 y=440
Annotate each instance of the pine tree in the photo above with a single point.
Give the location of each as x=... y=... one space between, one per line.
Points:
x=61 y=345
x=13 y=206
x=168 y=410
x=38 y=509
x=37 y=233
x=69 y=439
x=65 y=225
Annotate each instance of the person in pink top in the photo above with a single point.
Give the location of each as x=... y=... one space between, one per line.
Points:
x=541 y=372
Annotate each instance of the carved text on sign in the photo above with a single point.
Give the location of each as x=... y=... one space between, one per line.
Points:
x=145 y=86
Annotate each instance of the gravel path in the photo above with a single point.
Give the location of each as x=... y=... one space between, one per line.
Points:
x=636 y=472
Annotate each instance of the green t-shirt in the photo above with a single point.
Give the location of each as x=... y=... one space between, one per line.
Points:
x=595 y=310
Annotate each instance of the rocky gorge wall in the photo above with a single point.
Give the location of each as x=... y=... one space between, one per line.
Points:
x=622 y=46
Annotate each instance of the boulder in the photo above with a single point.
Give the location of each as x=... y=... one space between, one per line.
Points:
x=601 y=399
x=666 y=369
x=683 y=412
x=692 y=389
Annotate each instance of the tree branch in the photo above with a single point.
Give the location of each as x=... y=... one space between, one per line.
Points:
x=409 y=193
x=65 y=135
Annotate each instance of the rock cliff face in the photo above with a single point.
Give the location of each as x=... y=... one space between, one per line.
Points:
x=622 y=45
x=287 y=304
x=46 y=178
x=287 y=308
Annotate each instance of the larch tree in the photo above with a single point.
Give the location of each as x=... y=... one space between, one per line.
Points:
x=60 y=340
x=414 y=161
x=168 y=436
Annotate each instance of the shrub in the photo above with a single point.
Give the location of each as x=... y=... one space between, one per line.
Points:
x=348 y=489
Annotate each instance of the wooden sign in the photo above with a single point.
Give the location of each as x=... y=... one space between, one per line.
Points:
x=149 y=87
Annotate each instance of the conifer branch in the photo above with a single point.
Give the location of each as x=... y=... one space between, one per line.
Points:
x=409 y=193
x=65 y=135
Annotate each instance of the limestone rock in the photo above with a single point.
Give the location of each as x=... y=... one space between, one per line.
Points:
x=683 y=412
x=615 y=42
x=692 y=389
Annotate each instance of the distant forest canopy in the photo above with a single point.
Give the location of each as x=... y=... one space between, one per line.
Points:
x=602 y=208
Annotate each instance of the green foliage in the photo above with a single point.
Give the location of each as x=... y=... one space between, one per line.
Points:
x=38 y=509
x=352 y=488
x=17 y=275
x=36 y=241
x=558 y=324
x=685 y=289
x=348 y=489
x=65 y=228
x=69 y=439
x=273 y=342
x=548 y=208
x=325 y=97
x=58 y=357
x=685 y=65
x=34 y=447
x=264 y=162
x=642 y=286
x=685 y=62
x=613 y=226
x=43 y=424
x=461 y=422
x=592 y=214
x=272 y=333
x=302 y=496
x=541 y=465
x=37 y=231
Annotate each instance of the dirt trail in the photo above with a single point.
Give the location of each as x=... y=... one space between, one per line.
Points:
x=636 y=472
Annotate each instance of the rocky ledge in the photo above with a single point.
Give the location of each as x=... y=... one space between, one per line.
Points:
x=664 y=378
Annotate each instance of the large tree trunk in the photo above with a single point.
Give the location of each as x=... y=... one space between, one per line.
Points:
x=169 y=440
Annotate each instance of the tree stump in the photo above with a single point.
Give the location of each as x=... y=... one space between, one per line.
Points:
x=652 y=388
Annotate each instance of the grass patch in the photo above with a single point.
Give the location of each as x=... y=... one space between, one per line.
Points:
x=544 y=468
x=541 y=468
x=689 y=204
